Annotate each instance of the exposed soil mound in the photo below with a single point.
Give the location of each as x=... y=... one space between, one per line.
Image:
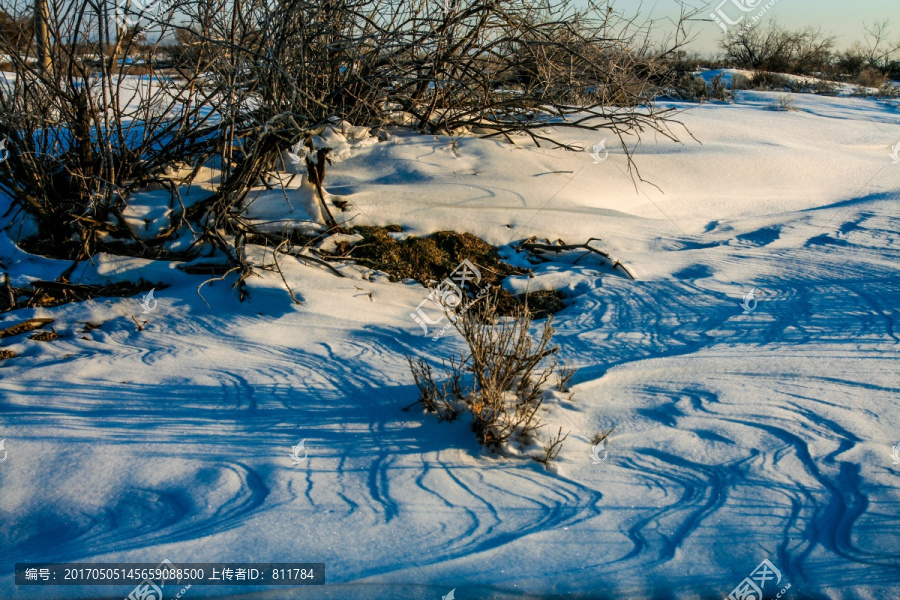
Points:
x=429 y=258
x=433 y=257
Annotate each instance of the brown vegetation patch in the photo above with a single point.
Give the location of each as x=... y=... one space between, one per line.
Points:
x=55 y=293
x=433 y=257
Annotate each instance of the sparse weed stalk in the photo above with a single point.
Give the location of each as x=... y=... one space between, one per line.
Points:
x=889 y=91
x=600 y=436
x=563 y=377
x=434 y=399
x=552 y=447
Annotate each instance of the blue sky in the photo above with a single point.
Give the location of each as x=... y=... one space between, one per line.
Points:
x=843 y=18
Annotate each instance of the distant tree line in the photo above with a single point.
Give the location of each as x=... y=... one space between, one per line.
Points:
x=806 y=51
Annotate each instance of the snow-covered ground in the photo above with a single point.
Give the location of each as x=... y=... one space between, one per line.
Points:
x=740 y=436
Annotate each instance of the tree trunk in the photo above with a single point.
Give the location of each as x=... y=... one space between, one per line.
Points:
x=41 y=17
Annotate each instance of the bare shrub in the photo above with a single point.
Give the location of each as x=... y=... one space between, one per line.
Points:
x=871 y=78
x=682 y=61
x=875 y=54
x=498 y=69
x=697 y=89
x=740 y=82
x=564 y=376
x=244 y=80
x=766 y=81
x=822 y=87
x=776 y=82
x=771 y=48
x=889 y=92
x=785 y=102
x=507 y=370
x=82 y=136
x=718 y=89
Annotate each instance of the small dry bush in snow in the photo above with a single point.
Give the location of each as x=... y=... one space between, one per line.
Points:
x=871 y=78
x=694 y=87
x=766 y=81
x=785 y=102
x=563 y=377
x=506 y=369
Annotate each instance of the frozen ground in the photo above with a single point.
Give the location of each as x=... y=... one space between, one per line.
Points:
x=739 y=437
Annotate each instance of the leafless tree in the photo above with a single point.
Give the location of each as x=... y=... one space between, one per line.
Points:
x=875 y=52
x=772 y=48
x=880 y=51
